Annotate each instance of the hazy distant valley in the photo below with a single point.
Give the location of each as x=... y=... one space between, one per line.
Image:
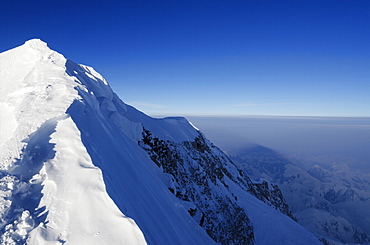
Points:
x=327 y=190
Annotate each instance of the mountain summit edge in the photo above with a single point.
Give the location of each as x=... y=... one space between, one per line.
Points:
x=79 y=166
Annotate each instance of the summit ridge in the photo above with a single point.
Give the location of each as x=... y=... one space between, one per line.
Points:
x=36 y=43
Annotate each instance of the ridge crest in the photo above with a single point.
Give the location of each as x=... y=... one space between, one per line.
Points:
x=37 y=44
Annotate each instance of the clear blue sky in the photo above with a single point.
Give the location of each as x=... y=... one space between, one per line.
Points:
x=300 y=58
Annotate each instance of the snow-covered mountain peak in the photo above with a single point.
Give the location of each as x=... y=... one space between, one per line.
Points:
x=37 y=44
x=32 y=51
x=79 y=166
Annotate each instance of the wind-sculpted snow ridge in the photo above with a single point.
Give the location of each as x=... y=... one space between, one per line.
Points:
x=50 y=188
x=78 y=166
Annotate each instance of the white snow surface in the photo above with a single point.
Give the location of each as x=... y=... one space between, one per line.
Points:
x=75 y=191
x=53 y=188
x=71 y=170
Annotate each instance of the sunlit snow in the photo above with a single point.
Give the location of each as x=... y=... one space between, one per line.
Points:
x=72 y=171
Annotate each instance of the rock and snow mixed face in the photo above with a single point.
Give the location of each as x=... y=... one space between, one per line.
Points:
x=75 y=168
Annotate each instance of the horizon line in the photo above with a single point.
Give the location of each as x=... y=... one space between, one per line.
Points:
x=253 y=116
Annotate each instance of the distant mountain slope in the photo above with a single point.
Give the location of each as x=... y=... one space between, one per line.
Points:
x=78 y=166
x=329 y=200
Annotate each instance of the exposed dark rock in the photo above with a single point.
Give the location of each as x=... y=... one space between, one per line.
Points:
x=199 y=171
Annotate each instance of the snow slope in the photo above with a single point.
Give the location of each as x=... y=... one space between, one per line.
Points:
x=56 y=192
x=73 y=171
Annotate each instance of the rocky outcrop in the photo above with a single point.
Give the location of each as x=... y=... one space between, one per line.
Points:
x=200 y=174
